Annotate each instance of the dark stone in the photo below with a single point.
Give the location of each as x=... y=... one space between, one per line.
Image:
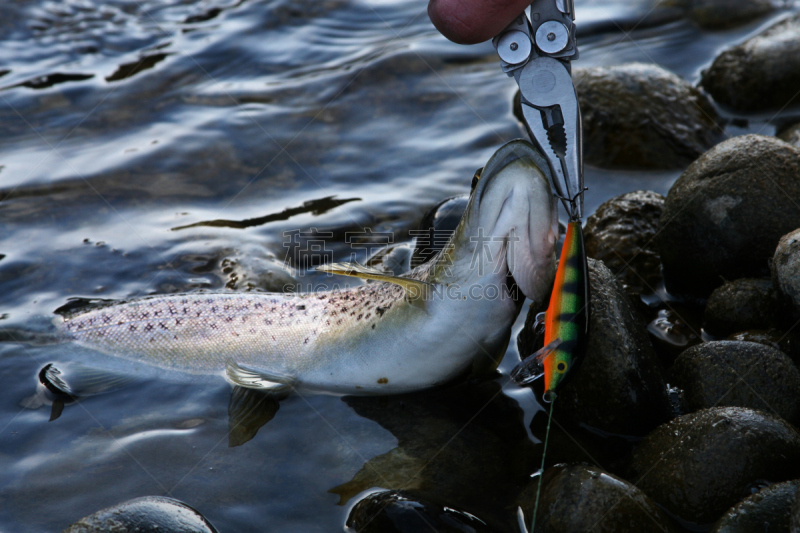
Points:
x=618 y=386
x=620 y=233
x=724 y=216
x=741 y=374
x=767 y=511
x=791 y=135
x=787 y=342
x=786 y=268
x=404 y=512
x=642 y=116
x=149 y=514
x=741 y=305
x=794 y=519
x=759 y=74
x=583 y=498
x=701 y=464
x=721 y=14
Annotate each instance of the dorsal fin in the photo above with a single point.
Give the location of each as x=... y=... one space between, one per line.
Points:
x=415 y=289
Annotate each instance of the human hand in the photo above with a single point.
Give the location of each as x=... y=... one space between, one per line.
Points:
x=473 y=21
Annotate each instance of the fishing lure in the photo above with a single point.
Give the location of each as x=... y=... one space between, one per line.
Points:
x=566 y=320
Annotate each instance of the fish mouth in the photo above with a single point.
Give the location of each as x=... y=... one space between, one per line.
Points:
x=505 y=155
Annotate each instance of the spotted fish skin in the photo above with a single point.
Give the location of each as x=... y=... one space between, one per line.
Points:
x=370 y=339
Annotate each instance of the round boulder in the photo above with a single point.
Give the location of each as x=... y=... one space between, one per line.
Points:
x=620 y=234
x=759 y=74
x=724 y=216
x=701 y=464
x=766 y=511
x=786 y=268
x=787 y=342
x=618 y=386
x=741 y=305
x=150 y=514
x=403 y=512
x=642 y=116
x=583 y=498
x=742 y=374
x=721 y=14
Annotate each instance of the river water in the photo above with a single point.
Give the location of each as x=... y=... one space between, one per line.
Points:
x=126 y=125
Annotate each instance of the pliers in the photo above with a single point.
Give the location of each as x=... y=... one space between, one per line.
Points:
x=537 y=53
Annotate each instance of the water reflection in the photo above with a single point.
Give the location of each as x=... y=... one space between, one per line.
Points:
x=465 y=446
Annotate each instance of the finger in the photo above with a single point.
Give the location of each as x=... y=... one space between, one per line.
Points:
x=473 y=21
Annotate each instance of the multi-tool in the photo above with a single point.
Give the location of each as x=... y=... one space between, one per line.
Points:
x=537 y=52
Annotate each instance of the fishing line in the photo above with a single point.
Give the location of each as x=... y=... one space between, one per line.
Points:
x=544 y=451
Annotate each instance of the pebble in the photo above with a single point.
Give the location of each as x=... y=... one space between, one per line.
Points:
x=724 y=215
x=149 y=514
x=742 y=305
x=786 y=268
x=584 y=498
x=722 y=14
x=737 y=373
x=404 y=512
x=643 y=116
x=759 y=74
x=701 y=464
x=620 y=233
x=767 y=511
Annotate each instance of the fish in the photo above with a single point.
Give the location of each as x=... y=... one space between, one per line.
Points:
x=566 y=321
x=391 y=335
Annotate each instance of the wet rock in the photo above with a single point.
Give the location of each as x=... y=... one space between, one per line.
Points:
x=759 y=74
x=150 y=514
x=642 y=116
x=786 y=268
x=437 y=226
x=618 y=387
x=721 y=14
x=787 y=342
x=766 y=511
x=620 y=233
x=404 y=512
x=741 y=305
x=724 y=216
x=583 y=498
x=701 y=464
x=791 y=135
x=742 y=374
x=671 y=335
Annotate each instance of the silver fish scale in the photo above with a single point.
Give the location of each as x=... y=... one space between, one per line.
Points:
x=199 y=333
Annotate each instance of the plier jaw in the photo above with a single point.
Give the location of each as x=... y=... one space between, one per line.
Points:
x=537 y=52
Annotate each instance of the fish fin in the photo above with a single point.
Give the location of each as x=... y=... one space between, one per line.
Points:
x=532 y=368
x=248 y=411
x=415 y=289
x=274 y=383
x=73 y=380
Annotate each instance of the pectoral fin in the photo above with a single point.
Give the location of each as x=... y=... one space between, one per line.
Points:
x=274 y=383
x=416 y=290
x=533 y=367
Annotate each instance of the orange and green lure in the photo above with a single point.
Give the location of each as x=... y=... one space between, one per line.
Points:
x=566 y=319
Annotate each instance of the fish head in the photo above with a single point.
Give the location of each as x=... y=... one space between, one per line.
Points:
x=511 y=220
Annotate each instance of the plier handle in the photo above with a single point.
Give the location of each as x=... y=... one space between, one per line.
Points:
x=537 y=53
